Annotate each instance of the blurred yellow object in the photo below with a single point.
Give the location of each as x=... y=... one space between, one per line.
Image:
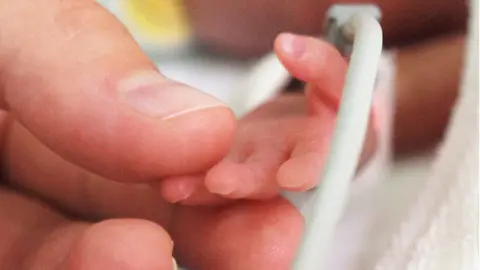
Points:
x=157 y=22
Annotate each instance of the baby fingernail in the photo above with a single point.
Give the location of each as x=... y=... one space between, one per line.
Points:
x=180 y=198
x=153 y=95
x=221 y=189
x=290 y=185
x=294 y=45
x=175 y=265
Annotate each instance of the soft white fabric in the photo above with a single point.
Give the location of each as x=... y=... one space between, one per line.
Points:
x=441 y=230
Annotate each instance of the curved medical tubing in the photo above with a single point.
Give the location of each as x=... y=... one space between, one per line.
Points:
x=330 y=197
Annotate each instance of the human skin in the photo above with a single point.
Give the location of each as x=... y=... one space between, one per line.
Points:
x=57 y=215
x=277 y=157
x=205 y=238
x=88 y=125
x=283 y=144
x=89 y=214
x=427 y=84
x=66 y=201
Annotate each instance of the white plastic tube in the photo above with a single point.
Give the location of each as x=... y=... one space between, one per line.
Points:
x=265 y=80
x=330 y=197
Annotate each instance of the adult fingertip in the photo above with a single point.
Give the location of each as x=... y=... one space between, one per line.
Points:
x=197 y=128
x=122 y=244
x=197 y=140
x=219 y=241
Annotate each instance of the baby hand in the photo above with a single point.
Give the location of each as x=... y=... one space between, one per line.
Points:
x=284 y=144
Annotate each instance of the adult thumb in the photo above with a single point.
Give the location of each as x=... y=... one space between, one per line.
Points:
x=73 y=76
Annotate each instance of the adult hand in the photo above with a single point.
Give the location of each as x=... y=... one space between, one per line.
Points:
x=82 y=105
